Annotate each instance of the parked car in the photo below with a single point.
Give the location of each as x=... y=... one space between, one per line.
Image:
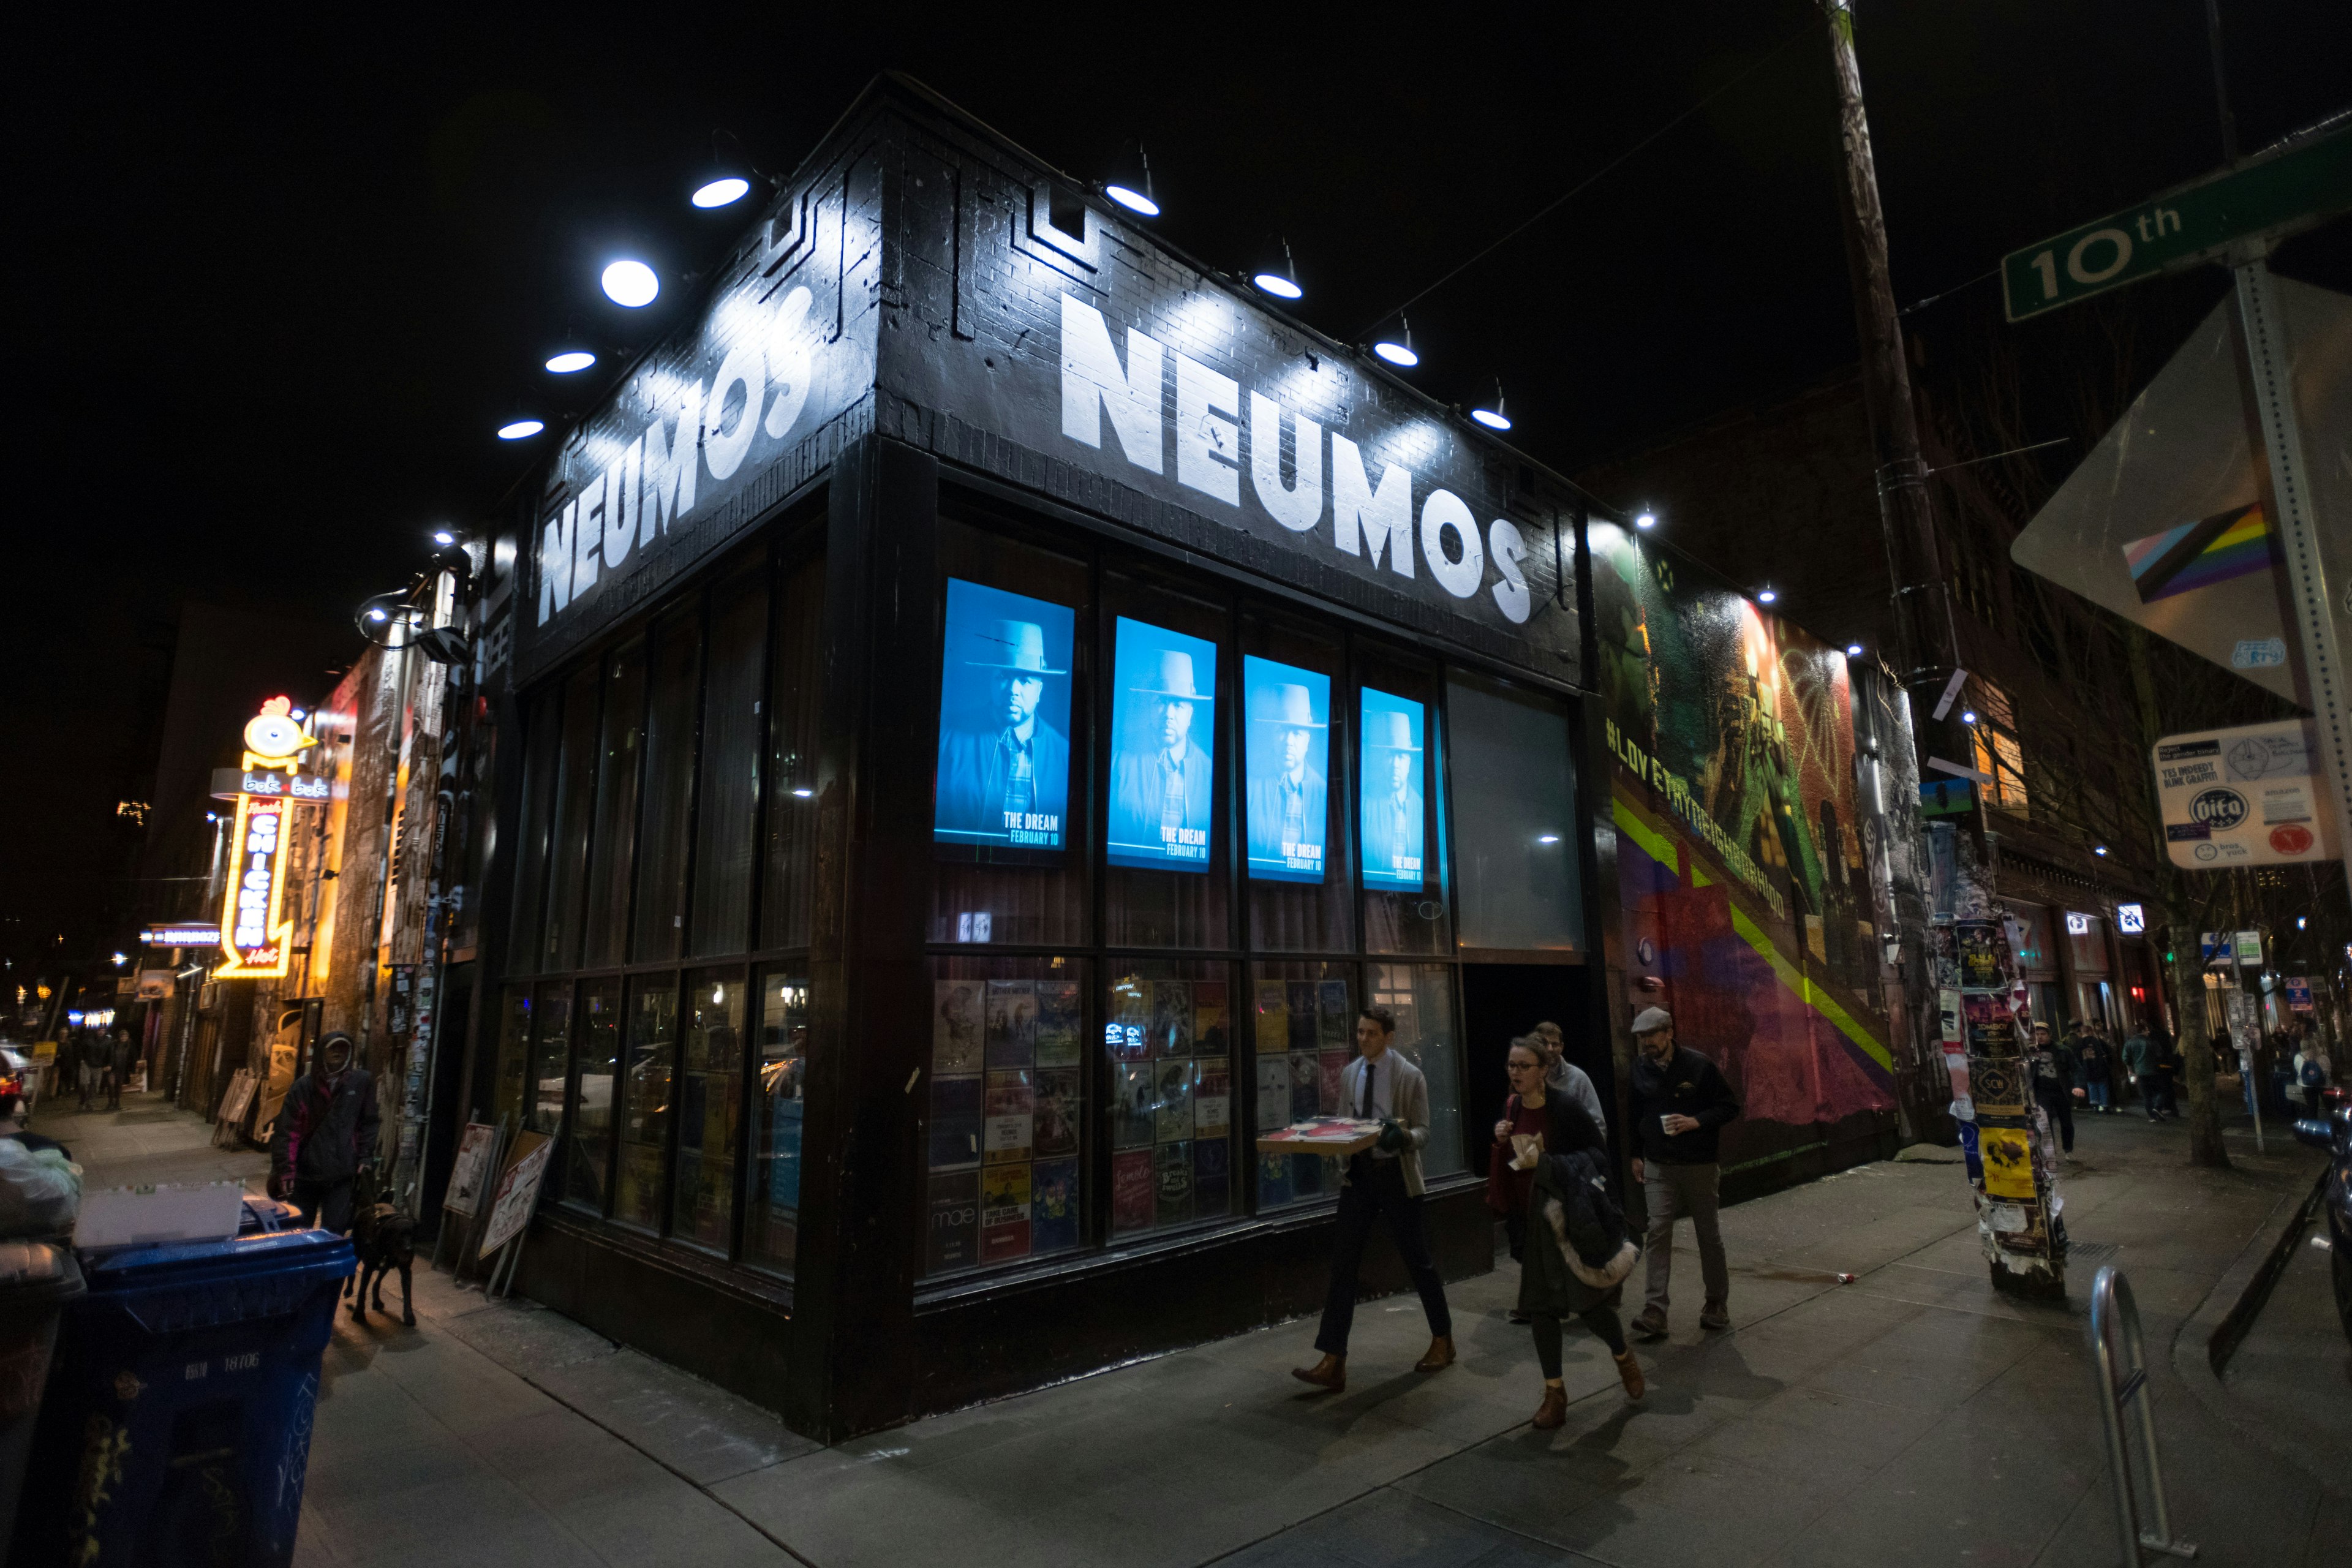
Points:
x=18 y=1074
x=2334 y=1136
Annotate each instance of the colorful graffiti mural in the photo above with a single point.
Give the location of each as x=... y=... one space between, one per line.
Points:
x=1747 y=909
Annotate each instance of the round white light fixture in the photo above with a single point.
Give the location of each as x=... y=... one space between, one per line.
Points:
x=631 y=283
x=1133 y=200
x=1276 y=284
x=442 y=536
x=121 y=958
x=1546 y=837
x=1400 y=354
x=1967 y=715
x=1493 y=419
x=570 y=362
x=2099 y=849
x=1853 y=650
x=1647 y=519
x=722 y=192
x=377 y=614
x=521 y=429
x=805 y=794
x=1766 y=596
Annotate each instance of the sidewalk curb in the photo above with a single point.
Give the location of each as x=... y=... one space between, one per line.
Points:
x=2209 y=1337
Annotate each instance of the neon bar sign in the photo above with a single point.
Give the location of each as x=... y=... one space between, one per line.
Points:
x=258 y=945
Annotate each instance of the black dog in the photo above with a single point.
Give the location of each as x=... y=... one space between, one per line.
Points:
x=385 y=1239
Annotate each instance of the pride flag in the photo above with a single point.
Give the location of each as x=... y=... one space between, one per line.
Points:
x=2228 y=545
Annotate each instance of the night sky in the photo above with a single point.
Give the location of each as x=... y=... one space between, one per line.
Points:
x=277 y=281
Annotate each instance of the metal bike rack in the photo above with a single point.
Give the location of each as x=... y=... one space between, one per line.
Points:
x=2111 y=1305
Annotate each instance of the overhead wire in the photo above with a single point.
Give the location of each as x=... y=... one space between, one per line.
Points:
x=1586 y=184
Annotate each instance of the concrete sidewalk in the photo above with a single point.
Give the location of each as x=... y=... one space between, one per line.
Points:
x=1913 y=1417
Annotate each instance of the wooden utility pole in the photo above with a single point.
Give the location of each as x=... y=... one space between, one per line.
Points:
x=2023 y=1242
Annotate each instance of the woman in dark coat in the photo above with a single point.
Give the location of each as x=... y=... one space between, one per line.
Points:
x=1550 y=1286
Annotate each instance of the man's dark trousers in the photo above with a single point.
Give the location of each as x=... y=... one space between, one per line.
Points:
x=2151 y=1093
x=327 y=1204
x=1375 y=1189
x=2060 y=1104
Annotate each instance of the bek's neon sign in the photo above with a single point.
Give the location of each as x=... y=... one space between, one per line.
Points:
x=258 y=944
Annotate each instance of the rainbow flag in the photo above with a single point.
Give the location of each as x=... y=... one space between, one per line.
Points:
x=2228 y=545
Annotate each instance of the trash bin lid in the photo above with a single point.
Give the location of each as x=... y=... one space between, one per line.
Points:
x=195 y=1284
x=37 y=1267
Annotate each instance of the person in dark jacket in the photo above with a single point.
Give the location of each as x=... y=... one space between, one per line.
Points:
x=2056 y=1082
x=66 y=1070
x=1550 y=1287
x=121 y=1061
x=326 y=1131
x=1681 y=1104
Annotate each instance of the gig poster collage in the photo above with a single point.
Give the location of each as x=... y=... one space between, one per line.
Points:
x=1006 y=1100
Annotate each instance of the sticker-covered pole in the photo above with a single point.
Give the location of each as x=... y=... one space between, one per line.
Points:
x=2266 y=374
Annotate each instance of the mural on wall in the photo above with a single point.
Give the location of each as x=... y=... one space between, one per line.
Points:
x=1748 y=908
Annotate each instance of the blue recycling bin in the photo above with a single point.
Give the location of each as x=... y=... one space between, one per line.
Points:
x=175 y=1430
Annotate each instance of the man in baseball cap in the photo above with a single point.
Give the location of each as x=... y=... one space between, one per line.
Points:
x=1681 y=1104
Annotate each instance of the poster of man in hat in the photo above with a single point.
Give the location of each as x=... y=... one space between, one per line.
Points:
x=1287 y=752
x=1004 y=719
x=1162 y=768
x=1391 y=786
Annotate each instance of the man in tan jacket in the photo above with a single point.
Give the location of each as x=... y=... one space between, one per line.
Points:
x=1383 y=1183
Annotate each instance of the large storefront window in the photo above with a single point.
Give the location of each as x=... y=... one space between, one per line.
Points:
x=1005 y=1133
x=1167 y=1054
x=1168 y=865
x=1517 y=871
x=669 y=795
x=1296 y=768
x=1401 y=823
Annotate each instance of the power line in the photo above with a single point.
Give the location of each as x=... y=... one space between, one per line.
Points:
x=1561 y=200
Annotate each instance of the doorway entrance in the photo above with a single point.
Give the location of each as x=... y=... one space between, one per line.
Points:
x=1503 y=1001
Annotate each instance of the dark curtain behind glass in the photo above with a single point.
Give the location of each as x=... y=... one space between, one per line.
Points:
x=538 y=808
x=662 y=840
x=730 y=794
x=614 y=852
x=575 y=802
x=794 y=689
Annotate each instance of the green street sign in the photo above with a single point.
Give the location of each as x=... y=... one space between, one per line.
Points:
x=2269 y=196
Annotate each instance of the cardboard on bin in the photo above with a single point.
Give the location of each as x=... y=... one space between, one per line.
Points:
x=147 y=1216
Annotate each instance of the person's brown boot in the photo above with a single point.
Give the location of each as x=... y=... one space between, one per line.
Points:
x=1629 y=1373
x=1553 y=1412
x=1331 y=1373
x=1713 y=1315
x=1440 y=1356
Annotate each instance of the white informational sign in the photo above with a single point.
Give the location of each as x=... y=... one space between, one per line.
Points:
x=2246 y=797
x=518 y=1196
x=472 y=1168
x=2131 y=919
x=2249 y=947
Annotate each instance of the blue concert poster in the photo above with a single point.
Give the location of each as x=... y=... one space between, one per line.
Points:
x=1289 y=763
x=1164 y=748
x=1390 y=783
x=1004 y=775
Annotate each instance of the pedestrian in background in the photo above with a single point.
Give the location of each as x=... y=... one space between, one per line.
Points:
x=66 y=1068
x=2093 y=1055
x=1680 y=1106
x=93 y=1065
x=124 y=1057
x=1576 y=1249
x=2168 y=1068
x=325 y=1134
x=2314 y=1072
x=2139 y=1061
x=2055 y=1088
x=1565 y=1076
x=1383 y=1183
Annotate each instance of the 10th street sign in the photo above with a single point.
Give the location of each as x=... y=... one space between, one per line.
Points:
x=2270 y=196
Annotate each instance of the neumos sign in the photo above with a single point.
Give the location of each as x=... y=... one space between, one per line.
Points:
x=1171 y=414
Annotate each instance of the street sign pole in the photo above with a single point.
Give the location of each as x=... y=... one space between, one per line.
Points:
x=2265 y=368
